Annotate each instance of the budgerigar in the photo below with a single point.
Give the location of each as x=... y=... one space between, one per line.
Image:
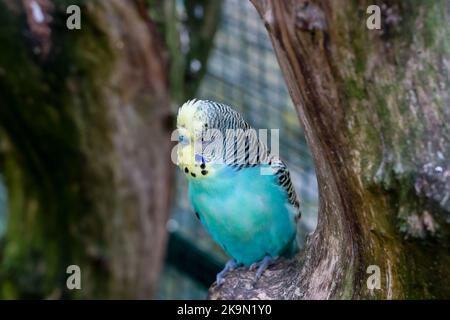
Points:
x=252 y=215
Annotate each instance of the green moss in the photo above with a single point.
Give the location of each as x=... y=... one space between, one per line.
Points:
x=434 y=34
x=389 y=138
x=353 y=90
x=50 y=111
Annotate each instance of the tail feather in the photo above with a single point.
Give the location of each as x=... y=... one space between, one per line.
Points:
x=291 y=249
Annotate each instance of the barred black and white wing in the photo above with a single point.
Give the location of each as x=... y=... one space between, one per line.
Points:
x=223 y=117
x=284 y=179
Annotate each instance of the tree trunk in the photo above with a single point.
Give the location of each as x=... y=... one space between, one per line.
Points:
x=85 y=148
x=375 y=106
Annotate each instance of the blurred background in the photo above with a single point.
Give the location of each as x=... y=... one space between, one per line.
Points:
x=79 y=180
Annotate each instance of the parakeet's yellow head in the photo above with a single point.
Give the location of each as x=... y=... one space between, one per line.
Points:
x=204 y=141
x=192 y=122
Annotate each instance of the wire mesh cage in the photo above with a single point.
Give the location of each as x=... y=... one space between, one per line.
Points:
x=243 y=72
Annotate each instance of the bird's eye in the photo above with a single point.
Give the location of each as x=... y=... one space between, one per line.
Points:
x=183 y=139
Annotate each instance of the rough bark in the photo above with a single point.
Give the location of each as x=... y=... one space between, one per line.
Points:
x=375 y=107
x=85 y=149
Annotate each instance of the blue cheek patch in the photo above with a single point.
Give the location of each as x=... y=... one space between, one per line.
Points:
x=199 y=158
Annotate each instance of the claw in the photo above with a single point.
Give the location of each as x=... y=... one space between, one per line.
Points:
x=253 y=266
x=262 y=266
x=229 y=266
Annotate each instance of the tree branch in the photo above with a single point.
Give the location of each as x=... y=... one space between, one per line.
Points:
x=366 y=101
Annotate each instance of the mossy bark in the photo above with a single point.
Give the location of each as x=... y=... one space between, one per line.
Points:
x=375 y=106
x=85 y=149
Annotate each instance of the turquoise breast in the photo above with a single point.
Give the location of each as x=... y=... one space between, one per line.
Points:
x=248 y=214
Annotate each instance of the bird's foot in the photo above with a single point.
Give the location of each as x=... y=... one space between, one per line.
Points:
x=261 y=266
x=254 y=266
x=229 y=266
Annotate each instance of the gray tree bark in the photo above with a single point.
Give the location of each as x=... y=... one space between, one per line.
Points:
x=375 y=107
